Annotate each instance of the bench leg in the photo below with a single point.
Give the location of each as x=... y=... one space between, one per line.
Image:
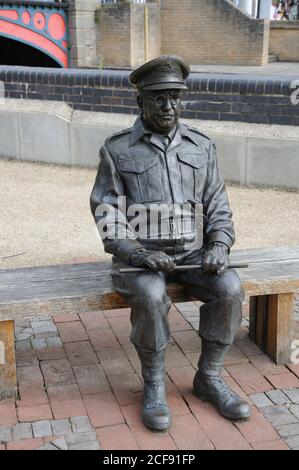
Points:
x=8 y=375
x=271 y=325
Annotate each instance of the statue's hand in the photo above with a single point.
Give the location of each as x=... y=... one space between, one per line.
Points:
x=216 y=258
x=155 y=260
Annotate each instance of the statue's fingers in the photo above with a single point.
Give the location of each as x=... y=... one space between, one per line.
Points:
x=221 y=268
x=213 y=264
x=223 y=264
x=158 y=261
x=166 y=262
x=170 y=264
x=166 y=265
x=206 y=265
x=220 y=261
x=160 y=258
x=152 y=265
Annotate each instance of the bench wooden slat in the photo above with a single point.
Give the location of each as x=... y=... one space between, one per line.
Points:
x=20 y=301
x=24 y=292
x=270 y=281
x=77 y=303
x=273 y=254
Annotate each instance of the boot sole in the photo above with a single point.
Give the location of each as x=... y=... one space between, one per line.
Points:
x=156 y=428
x=232 y=418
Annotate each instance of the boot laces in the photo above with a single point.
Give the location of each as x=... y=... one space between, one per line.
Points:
x=158 y=394
x=224 y=389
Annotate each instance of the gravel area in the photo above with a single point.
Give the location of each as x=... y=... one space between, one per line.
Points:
x=45 y=215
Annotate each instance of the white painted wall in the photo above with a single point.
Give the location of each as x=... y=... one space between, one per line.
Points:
x=266 y=9
x=246 y=5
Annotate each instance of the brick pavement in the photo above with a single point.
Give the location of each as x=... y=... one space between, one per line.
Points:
x=80 y=388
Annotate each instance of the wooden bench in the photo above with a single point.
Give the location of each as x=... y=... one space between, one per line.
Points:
x=270 y=280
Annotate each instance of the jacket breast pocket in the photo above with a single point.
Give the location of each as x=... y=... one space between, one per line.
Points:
x=193 y=168
x=142 y=177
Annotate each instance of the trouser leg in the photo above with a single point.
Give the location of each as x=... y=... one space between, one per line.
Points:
x=221 y=313
x=220 y=318
x=147 y=297
x=149 y=319
x=212 y=358
x=155 y=411
x=150 y=334
x=152 y=364
x=219 y=323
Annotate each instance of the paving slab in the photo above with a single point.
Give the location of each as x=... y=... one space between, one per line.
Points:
x=100 y=408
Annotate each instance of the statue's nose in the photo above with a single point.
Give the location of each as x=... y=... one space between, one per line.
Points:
x=167 y=104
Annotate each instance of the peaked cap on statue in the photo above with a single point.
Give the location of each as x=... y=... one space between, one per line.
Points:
x=164 y=73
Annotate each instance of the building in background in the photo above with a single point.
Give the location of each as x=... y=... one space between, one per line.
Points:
x=257 y=8
x=249 y=6
x=34 y=33
x=126 y=33
x=270 y=9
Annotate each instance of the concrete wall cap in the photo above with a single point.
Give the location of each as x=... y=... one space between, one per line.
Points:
x=56 y=108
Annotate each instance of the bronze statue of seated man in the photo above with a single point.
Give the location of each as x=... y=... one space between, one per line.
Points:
x=160 y=161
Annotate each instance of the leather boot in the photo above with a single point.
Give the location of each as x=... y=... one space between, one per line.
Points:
x=209 y=385
x=155 y=411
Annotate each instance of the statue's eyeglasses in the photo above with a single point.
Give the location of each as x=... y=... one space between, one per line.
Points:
x=159 y=100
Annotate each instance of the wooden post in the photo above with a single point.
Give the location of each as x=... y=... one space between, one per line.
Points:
x=8 y=374
x=258 y=320
x=261 y=321
x=252 y=317
x=271 y=325
x=279 y=328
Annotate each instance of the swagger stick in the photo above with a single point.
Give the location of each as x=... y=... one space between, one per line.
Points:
x=186 y=267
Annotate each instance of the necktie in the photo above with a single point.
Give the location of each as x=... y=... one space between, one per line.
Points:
x=165 y=141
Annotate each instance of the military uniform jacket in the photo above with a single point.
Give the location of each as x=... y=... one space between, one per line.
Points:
x=134 y=163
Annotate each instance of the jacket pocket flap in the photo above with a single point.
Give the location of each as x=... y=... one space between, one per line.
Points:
x=196 y=160
x=137 y=165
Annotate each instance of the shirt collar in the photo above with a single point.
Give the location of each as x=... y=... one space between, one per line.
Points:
x=139 y=130
x=185 y=132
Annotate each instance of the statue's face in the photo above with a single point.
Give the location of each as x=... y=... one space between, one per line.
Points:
x=161 y=109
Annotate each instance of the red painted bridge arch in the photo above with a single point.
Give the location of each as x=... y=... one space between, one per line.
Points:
x=41 y=25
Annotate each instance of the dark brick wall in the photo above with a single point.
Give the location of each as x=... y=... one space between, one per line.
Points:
x=242 y=98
